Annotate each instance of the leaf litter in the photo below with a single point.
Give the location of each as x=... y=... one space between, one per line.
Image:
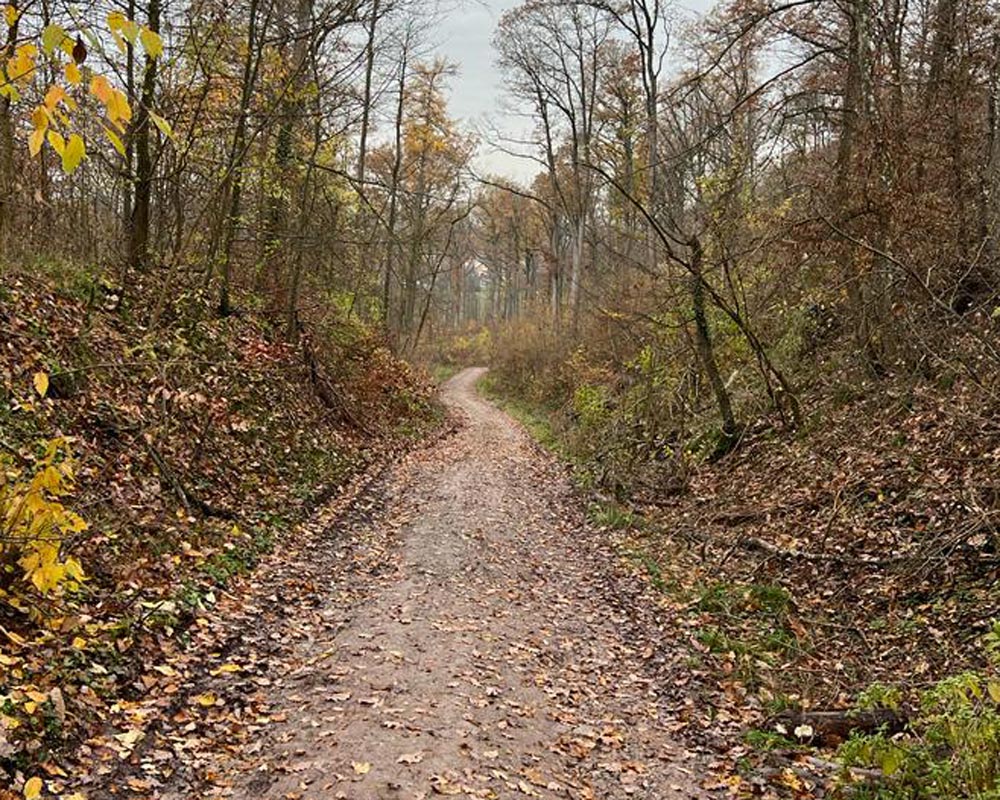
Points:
x=453 y=628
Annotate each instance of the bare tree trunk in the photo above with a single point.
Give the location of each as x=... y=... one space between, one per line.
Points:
x=991 y=221
x=128 y=170
x=138 y=243
x=576 y=267
x=234 y=171
x=706 y=352
x=397 y=165
x=7 y=150
x=853 y=122
x=366 y=100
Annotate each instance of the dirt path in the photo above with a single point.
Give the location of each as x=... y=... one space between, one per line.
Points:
x=473 y=655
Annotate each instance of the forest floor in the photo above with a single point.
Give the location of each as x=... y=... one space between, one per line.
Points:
x=458 y=629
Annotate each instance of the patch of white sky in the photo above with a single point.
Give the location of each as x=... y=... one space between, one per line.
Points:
x=478 y=100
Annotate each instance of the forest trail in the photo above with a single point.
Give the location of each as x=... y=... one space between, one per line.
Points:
x=478 y=656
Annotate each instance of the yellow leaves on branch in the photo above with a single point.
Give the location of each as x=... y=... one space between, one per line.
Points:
x=51 y=120
x=34 y=524
x=151 y=43
x=115 y=103
x=21 y=65
x=127 y=32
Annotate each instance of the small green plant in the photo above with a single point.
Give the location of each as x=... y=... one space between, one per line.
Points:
x=590 y=403
x=769 y=740
x=764 y=599
x=953 y=748
x=652 y=567
x=879 y=695
x=610 y=515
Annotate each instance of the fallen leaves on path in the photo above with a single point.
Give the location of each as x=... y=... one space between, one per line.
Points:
x=451 y=634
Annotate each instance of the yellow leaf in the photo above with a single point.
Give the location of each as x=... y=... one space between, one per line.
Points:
x=41 y=380
x=226 y=668
x=206 y=700
x=73 y=73
x=23 y=62
x=52 y=37
x=40 y=117
x=8 y=89
x=130 y=738
x=10 y=14
x=113 y=138
x=151 y=43
x=100 y=88
x=162 y=124
x=993 y=687
x=116 y=20
x=73 y=154
x=35 y=141
x=361 y=767
x=49 y=478
x=47 y=576
x=53 y=96
x=78 y=643
x=33 y=788
x=130 y=30
x=57 y=141
x=72 y=565
x=118 y=107
x=15 y=638
x=72 y=523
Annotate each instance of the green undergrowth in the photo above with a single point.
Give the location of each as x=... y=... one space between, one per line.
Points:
x=612 y=516
x=440 y=372
x=951 y=748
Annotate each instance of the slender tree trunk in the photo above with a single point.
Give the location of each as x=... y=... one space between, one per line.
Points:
x=854 y=120
x=706 y=351
x=397 y=165
x=234 y=171
x=576 y=268
x=138 y=247
x=7 y=150
x=991 y=221
x=128 y=170
x=366 y=100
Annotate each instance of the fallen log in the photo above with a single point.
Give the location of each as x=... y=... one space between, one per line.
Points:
x=186 y=497
x=755 y=543
x=830 y=728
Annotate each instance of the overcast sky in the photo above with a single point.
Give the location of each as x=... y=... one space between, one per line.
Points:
x=465 y=37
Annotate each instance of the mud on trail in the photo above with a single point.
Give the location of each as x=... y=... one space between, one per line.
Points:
x=455 y=633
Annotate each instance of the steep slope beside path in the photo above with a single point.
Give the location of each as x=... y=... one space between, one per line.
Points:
x=481 y=659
